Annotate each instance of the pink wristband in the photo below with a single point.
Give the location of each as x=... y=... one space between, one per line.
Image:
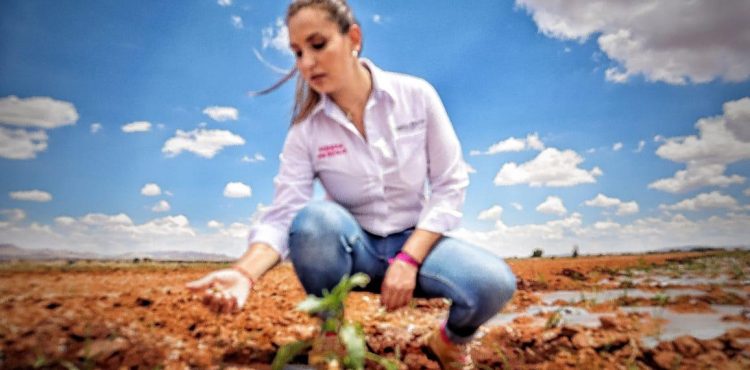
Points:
x=406 y=257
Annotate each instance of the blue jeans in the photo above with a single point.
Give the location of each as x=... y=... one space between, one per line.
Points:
x=326 y=243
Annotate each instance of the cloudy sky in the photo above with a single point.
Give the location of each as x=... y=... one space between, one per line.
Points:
x=612 y=125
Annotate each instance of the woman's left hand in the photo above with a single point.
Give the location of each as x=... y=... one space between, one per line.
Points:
x=398 y=285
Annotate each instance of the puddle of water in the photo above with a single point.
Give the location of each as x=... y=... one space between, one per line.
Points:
x=568 y=315
x=737 y=291
x=574 y=296
x=698 y=325
x=663 y=281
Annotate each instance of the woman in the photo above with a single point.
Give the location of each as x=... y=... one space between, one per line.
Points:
x=374 y=139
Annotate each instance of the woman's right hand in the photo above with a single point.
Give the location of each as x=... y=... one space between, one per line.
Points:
x=223 y=291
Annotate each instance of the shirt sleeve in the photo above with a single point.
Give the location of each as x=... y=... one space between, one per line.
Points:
x=293 y=189
x=448 y=178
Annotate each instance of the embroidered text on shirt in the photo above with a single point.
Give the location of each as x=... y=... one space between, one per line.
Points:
x=331 y=150
x=410 y=125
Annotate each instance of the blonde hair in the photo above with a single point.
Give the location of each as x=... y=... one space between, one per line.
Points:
x=305 y=98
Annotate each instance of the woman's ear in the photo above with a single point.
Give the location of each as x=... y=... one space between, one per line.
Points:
x=355 y=36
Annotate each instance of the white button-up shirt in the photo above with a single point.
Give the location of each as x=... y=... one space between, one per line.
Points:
x=381 y=181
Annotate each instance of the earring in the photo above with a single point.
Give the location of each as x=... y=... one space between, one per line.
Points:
x=355 y=53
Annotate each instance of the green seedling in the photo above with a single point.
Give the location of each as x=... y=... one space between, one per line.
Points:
x=554 y=320
x=350 y=334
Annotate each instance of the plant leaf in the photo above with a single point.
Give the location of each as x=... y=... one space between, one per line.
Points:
x=311 y=304
x=354 y=341
x=382 y=361
x=360 y=280
x=287 y=352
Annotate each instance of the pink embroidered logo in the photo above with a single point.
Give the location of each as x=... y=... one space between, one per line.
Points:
x=326 y=151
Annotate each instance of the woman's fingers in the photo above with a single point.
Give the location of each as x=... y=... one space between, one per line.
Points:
x=201 y=283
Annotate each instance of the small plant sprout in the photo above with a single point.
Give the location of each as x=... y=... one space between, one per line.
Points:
x=554 y=320
x=349 y=334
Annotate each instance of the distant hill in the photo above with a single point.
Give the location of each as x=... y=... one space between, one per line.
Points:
x=176 y=256
x=10 y=252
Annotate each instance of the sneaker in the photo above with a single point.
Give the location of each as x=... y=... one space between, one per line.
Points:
x=326 y=352
x=451 y=356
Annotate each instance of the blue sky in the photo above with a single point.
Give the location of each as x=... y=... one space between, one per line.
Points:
x=126 y=126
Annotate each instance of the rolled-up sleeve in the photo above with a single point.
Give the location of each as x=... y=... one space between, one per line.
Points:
x=448 y=178
x=293 y=189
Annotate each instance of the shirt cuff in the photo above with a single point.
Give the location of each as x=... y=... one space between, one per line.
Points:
x=272 y=236
x=439 y=219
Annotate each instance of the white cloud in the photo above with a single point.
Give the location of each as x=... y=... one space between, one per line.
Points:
x=202 y=142
x=213 y=224
x=31 y=195
x=517 y=206
x=737 y=118
x=696 y=176
x=627 y=208
x=606 y=225
x=377 y=18
x=747 y=192
x=603 y=201
x=644 y=234
x=513 y=144
x=673 y=41
x=237 y=22
x=13 y=215
x=551 y=167
x=707 y=154
x=641 y=145
x=21 y=144
x=492 y=213
x=38 y=111
x=237 y=190
x=254 y=159
x=151 y=190
x=114 y=234
x=470 y=169
x=713 y=199
x=617 y=146
x=277 y=37
x=161 y=206
x=101 y=219
x=658 y=138
x=138 y=126
x=96 y=127
x=552 y=205
x=65 y=221
x=222 y=114
x=224 y=2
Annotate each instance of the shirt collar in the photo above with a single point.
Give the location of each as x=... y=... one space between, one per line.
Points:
x=381 y=88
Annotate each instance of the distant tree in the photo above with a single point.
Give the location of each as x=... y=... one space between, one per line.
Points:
x=136 y=260
x=575 y=251
x=537 y=253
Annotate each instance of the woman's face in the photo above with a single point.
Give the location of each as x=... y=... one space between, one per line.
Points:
x=324 y=54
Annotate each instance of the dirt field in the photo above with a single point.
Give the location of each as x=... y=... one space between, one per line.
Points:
x=619 y=312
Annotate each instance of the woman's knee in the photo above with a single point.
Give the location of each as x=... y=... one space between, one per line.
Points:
x=493 y=286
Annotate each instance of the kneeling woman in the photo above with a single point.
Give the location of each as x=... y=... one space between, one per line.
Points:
x=374 y=139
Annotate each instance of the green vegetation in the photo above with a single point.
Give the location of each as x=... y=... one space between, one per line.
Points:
x=537 y=253
x=349 y=334
x=553 y=320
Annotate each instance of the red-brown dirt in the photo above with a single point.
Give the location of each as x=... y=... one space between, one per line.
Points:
x=93 y=315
